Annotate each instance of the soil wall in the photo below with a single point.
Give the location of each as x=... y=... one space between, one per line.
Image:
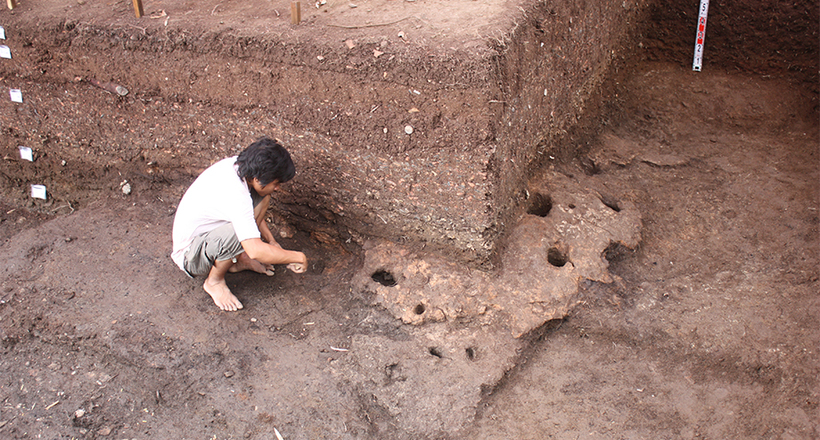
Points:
x=423 y=139
x=779 y=37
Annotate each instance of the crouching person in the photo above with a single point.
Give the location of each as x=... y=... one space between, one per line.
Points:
x=220 y=224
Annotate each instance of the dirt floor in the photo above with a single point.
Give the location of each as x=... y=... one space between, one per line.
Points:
x=712 y=331
x=709 y=329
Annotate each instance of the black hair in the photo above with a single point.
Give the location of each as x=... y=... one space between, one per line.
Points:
x=266 y=160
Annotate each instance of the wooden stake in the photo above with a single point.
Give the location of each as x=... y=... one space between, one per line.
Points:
x=137 y=8
x=295 y=12
x=11 y=3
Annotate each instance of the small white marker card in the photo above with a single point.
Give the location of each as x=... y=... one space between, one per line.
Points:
x=2 y=33
x=16 y=95
x=38 y=191
x=5 y=52
x=26 y=153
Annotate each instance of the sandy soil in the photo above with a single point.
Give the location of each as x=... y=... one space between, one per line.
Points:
x=710 y=330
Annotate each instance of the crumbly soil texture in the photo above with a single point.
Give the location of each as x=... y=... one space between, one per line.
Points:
x=706 y=329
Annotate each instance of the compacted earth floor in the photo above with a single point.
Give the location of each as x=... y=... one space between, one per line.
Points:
x=710 y=330
x=713 y=330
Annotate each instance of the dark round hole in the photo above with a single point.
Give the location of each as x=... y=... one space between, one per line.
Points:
x=571 y=206
x=471 y=354
x=384 y=278
x=540 y=205
x=436 y=352
x=419 y=309
x=556 y=257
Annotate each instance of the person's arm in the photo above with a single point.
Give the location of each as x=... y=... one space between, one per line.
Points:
x=273 y=254
x=267 y=235
x=260 y=213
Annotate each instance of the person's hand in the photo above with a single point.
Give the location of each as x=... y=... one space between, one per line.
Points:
x=299 y=266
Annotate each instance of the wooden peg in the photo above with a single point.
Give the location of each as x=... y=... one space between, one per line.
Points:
x=138 y=8
x=11 y=3
x=295 y=12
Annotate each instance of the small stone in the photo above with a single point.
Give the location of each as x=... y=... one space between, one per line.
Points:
x=228 y=374
x=287 y=231
x=79 y=413
x=104 y=431
x=408 y=129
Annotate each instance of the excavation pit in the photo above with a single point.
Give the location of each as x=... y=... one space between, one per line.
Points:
x=540 y=205
x=557 y=257
x=386 y=278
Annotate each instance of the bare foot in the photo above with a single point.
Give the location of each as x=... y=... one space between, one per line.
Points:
x=222 y=296
x=244 y=262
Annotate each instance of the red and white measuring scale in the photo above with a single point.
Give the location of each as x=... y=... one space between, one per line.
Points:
x=704 y=9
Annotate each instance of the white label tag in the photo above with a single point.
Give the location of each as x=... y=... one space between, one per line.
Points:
x=26 y=153
x=2 y=33
x=16 y=95
x=5 y=52
x=38 y=191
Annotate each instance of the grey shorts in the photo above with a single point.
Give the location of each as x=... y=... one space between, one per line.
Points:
x=219 y=244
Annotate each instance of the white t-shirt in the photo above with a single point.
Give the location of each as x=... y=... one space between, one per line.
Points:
x=218 y=196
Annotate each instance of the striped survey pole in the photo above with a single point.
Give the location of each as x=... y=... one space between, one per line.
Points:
x=704 y=9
